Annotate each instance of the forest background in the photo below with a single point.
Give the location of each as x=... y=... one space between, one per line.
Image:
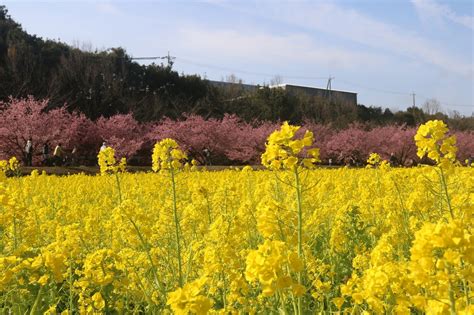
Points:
x=53 y=92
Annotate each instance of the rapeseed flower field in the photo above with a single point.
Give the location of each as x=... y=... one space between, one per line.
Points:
x=292 y=239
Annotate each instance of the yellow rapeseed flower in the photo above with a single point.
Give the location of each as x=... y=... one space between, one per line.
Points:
x=283 y=151
x=167 y=155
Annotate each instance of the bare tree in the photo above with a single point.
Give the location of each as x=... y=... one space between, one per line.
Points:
x=232 y=78
x=432 y=106
x=276 y=80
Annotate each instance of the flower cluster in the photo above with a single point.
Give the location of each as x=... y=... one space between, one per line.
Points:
x=10 y=167
x=271 y=265
x=283 y=151
x=270 y=216
x=442 y=260
x=167 y=155
x=238 y=242
x=367 y=244
x=107 y=162
x=375 y=160
x=432 y=141
x=189 y=300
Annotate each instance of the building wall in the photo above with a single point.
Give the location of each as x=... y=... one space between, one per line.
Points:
x=349 y=98
x=244 y=87
x=336 y=96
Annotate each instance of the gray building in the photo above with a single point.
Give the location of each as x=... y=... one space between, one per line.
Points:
x=235 y=86
x=343 y=97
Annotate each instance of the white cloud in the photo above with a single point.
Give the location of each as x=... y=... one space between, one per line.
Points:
x=429 y=9
x=351 y=26
x=213 y=2
x=108 y=7
x=271 y=49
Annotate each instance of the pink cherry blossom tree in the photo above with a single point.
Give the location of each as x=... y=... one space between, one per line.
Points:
x=123 y=133
x=465 y=144
x=230 y=139
x=21 y=119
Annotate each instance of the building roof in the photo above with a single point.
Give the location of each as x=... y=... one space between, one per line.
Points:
x=285 y=85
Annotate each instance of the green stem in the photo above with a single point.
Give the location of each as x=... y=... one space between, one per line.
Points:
x=300 y=230
x=452 y=301
x=118 y=187
x=37 y=300
x=224 y=293
x=445 y=188
x=71 y=292
x=209 y=217
x=176 y=224
x=293 y=301
x=15 y=241
x=146 y=246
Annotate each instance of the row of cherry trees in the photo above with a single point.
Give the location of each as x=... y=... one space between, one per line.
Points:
x=230 y=140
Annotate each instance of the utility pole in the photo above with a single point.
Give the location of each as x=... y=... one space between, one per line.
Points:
x=329 y=87
x=169 y=59
x=414 y=102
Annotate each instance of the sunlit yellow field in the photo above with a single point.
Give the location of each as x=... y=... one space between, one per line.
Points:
x=377 y=240
x=293 y=239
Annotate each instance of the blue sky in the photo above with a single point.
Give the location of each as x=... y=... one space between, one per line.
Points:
x=383 y=50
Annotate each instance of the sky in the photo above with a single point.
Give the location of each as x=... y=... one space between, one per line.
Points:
x=384 y=50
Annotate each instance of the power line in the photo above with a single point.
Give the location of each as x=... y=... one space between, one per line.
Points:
x=204 y=65
x=373 y=89
x=127 y=57
x=413 y=94
x=146 y=58
x=448 y=103
x=170 y=60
